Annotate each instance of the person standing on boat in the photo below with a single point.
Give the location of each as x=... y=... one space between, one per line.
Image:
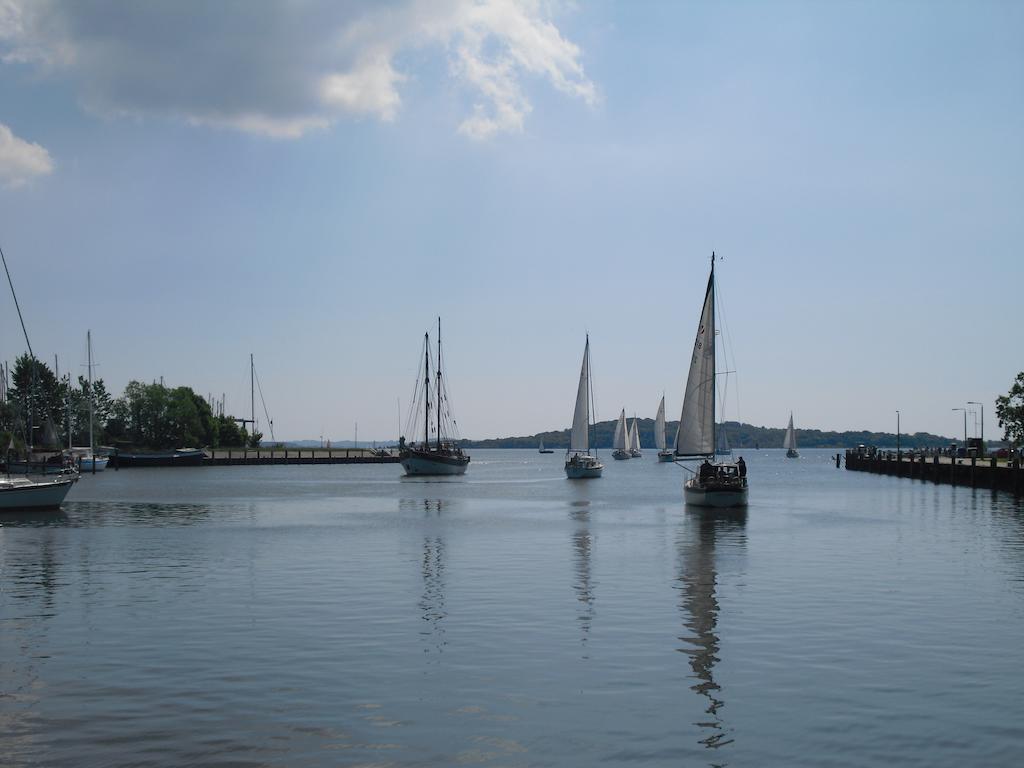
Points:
x=742 y=465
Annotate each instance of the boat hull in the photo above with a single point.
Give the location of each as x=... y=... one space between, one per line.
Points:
x=179 y=458
x=23 y=494
x=621 y=455
x=546 y=450
x=426 y=463
x=696 y=496
x=582 y=468
x=87 y=464
x=666 y=456
x=792 y=454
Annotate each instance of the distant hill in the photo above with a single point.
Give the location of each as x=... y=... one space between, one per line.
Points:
x=745 y=436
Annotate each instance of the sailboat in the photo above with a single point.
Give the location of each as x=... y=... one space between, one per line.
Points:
x=620 y=442
x=18 y=493
x=722 y=484
x=659 y=433
x=789 y=442
x=722 y=448
x=86 y=458
x=542 y=449
x=634 y=440
x=579 y=463
x=437 y=453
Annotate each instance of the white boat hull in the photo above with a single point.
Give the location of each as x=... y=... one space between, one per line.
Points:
x=666 y=456
x=21 y=493
x=697 y=496
x=621 y=455
x=86 y=464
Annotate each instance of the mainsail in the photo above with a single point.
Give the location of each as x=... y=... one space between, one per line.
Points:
x=579 y=440
x=634 y=437
x=789 y=443
x=696 y=435
x=659 y=426
x=620 y=442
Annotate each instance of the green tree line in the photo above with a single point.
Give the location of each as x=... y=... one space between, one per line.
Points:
x=41 y=409
x=740 y=436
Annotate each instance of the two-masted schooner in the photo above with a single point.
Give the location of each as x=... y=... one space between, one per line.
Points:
x=438 y=453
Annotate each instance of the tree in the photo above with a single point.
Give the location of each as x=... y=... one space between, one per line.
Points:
x=1010 y=411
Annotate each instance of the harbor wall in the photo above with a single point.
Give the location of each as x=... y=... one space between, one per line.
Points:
x=970 y=472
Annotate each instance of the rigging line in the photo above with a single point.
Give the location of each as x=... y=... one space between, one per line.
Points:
x=17 y=306
x=730 y=353
x=260 y=390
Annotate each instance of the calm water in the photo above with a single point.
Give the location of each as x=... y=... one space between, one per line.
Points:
x=341 y=616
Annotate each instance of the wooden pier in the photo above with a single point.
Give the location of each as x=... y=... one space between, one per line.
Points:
x=970 y=472
x=221 y=457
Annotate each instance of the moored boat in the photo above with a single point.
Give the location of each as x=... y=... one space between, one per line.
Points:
x=181 y=457
x=23 y=493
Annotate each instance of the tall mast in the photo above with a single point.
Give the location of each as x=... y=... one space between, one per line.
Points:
x=88 y=343
x=438 y=415
x=426 y=390
x=590 y=392
x=714 y=348
x=252 y=393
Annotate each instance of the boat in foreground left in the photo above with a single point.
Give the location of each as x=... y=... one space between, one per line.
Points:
x=22 y=493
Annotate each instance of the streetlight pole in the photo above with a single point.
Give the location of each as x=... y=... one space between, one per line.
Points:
x=965 y=425
x=897 y=435
x=982 y=405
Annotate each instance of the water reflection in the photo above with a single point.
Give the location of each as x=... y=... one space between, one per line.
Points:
x=33 y=519
x=696 y=544
x=432 y=604
x=582 y=541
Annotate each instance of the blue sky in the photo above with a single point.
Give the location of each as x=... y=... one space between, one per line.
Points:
x=315 y=183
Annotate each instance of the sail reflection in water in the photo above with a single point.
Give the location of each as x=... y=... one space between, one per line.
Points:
x=433 y=609
x=583 y=586
x=698 y=574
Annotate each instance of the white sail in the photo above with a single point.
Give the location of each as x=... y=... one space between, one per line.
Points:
x=659 y=426
x=696 y=435
x=634 y=437
x=789 y=443
x=579 y=440
x=620 y=442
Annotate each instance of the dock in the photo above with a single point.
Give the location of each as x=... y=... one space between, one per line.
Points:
x=971 y=472
x=222 y=457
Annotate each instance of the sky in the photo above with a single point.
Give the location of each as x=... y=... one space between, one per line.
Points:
x=315 y=183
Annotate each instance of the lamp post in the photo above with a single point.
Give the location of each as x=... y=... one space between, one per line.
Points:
x=965 y=425
x=982 y=405
x=897 y=435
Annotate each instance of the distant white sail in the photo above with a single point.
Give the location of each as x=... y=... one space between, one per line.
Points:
x=659 y=426
x=789 y=442
x=620 y=442
x=579 y=440
x=696 y=435
x=634 y=437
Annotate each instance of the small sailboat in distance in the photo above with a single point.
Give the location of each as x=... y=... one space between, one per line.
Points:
x=542 y=449
x=620 y=442
x=723 y=484
x=579 y=463
x=789 y=442
x=659 y=433
x=634 y=440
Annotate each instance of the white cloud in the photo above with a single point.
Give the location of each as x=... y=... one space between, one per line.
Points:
x=21 y=160
x=284 y=69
